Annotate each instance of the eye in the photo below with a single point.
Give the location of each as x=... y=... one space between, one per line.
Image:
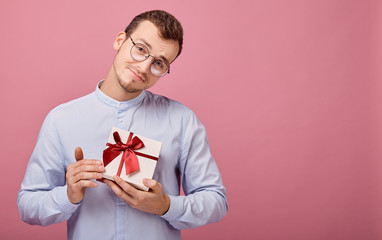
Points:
x=141 y=49
x=159 y=64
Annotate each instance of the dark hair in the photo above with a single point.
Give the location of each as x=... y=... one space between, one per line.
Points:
x=169 y=27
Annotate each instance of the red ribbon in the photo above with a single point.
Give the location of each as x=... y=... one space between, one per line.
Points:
x=129 y=157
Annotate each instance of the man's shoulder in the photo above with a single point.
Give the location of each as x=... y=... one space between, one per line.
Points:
x=164 y=102
x=77 y=104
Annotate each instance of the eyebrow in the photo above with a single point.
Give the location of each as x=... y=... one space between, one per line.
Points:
x=150 y=47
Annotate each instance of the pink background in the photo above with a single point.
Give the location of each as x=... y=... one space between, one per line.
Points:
x=290 y=93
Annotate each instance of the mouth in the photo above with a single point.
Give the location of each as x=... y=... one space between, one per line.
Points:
x=138 y=77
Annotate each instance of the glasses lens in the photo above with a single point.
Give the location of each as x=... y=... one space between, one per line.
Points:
x=158 y=68
x=139 y=52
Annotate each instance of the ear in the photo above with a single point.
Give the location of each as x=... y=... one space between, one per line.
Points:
x=121 y=37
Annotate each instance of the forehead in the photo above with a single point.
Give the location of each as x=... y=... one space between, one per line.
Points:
x=148 y=34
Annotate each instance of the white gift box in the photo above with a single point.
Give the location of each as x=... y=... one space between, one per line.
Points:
x=146 y=165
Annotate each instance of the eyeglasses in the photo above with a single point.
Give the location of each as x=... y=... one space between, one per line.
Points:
x=140 y=53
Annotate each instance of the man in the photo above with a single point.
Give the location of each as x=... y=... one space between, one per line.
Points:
x=59 y=183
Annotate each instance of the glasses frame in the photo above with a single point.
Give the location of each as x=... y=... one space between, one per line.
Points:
x=147 y=56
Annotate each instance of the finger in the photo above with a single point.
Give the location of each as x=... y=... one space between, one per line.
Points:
x=88 y=162
x=86 y=165
x=78 y=154
x=119 y=191
x=152 y=184
x=85 y=183
x=84 y=176
x=125 y=186
x=84 y=162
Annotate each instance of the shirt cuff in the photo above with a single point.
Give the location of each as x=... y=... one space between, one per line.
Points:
x=62 y=201
x=175 y=210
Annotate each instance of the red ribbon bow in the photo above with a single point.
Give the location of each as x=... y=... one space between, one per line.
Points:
x=129 y=156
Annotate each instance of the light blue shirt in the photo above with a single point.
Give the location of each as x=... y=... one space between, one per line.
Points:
x=86 y=122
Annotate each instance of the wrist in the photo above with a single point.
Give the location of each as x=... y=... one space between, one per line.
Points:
x=166 y=205
x=73 y=200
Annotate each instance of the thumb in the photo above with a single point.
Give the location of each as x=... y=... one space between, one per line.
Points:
x=150 y=183
x=78 y=154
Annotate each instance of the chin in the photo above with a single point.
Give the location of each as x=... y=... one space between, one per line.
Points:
x=128 y=85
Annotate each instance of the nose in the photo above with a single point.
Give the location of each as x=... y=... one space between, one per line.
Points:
x=145 y=65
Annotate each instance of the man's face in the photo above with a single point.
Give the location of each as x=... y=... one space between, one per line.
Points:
x=134 y=76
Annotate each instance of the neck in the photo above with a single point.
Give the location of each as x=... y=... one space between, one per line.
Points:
x=113 y=89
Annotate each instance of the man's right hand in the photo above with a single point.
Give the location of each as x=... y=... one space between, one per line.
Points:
x=79 y=174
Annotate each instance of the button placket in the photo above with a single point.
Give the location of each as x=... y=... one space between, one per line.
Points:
x=121 y=118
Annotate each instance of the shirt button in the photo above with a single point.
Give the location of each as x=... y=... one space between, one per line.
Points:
x=120 y=120
x=122 y=105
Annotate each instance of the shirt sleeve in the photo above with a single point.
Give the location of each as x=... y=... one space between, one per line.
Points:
x=42 y=199
x=205 y=201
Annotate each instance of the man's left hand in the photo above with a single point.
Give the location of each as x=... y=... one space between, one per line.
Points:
x=154 y=201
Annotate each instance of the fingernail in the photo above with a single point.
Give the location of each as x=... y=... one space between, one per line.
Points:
x=99 y=162
x=99 y=175
x=101 y=168
x=147 y=181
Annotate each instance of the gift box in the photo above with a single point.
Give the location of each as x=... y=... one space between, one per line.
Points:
x=130 y=156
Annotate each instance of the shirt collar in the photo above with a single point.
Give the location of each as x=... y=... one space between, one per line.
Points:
x=117 y=104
